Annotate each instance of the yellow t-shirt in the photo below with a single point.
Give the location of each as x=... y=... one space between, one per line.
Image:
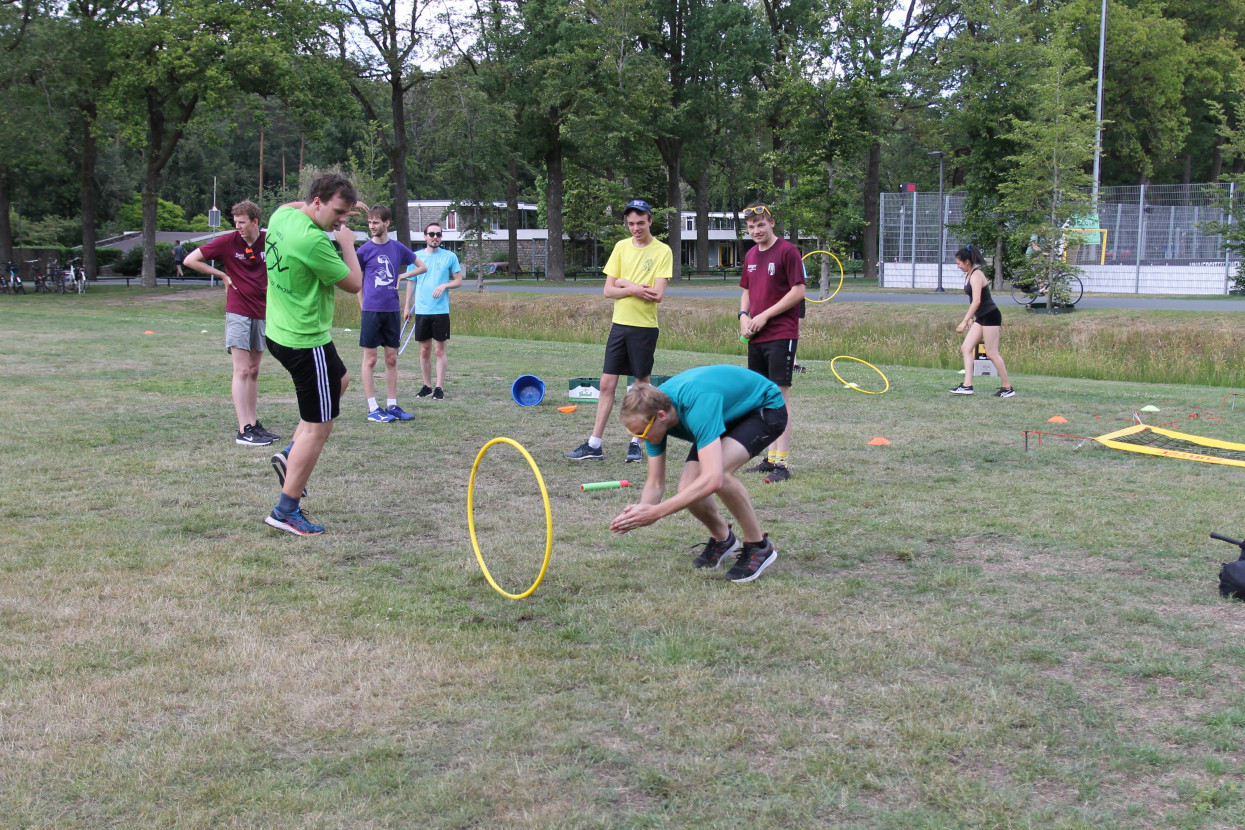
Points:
x=642 y=266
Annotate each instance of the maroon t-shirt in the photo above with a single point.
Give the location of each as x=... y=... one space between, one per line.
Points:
x=245 y=266
x=768 y=276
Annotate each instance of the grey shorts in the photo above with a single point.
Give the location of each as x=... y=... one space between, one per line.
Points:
x=243 y=332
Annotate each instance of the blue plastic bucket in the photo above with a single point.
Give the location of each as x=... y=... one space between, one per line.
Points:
x=528 y=390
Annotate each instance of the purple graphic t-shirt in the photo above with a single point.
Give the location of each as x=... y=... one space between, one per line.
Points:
x=382 y=266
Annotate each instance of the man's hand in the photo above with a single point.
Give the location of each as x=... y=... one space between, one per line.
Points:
x=635 y=515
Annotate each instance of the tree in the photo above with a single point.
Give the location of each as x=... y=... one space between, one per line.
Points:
x=20 y=116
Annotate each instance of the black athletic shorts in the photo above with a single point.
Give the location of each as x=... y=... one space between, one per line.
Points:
x=630 y=350
x=756 y=430
x=317 y=375
x=990 y=318
x=774 y=359
x=380 y=328
x=432 y=327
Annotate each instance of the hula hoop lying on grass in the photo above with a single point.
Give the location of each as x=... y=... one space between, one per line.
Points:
x=471 y=524
x=854 y=386
x=842 y=275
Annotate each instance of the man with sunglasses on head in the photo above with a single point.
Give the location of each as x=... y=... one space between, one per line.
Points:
x=769 y=319
x=245 y=277
x=729 y=414
x=636 y=276
x=432 y=307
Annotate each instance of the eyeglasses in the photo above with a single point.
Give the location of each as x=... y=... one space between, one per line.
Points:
x=647 y=427
x=759 y=210
x=433 y=233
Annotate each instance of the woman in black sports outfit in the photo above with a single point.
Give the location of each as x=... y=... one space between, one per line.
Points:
x=983 y=321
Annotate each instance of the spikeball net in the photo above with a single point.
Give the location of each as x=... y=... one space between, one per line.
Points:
x=1157 y=441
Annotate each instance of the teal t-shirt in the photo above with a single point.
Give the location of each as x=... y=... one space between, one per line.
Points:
x=708 y=398
x=303 y=267
x=442 y=266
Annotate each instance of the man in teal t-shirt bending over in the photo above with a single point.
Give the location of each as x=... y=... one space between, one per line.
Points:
x=729 y=414
x=303 y=268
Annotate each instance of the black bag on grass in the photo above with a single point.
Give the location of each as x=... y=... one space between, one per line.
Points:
x=1232 y=574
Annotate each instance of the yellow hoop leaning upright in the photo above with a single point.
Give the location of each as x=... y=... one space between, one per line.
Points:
x=842 y=274
x=854 y=386
x=471 y=524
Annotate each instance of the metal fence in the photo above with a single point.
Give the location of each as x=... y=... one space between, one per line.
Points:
x=1156 y=239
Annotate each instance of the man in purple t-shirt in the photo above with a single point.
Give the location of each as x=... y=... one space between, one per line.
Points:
x=769 y=317
x=246 y=290
x=385 y=262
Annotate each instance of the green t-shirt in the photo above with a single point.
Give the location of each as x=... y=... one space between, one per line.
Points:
x=303 y=267
x=708 y=398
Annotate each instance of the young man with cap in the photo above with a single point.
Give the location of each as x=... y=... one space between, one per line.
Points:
x=729 y=414
x=769 y=316
x=636 y=276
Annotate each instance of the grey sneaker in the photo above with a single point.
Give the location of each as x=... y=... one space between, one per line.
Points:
x=1005 y=392
x=260 y=429
x=633 y=453
x=248 y=437
x=779 y=473
x=962 y=390
x=585 y=453
x=764 y=466
x=714 y=551
x=279 y=460
x=755 y=558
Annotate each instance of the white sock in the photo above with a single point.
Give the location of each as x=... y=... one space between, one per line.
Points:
x=391 y=402
x=371 y=404
x=594 y=442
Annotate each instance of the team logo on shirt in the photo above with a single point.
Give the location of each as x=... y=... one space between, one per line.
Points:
x=752 y=266
x=771 y=269
x=384 y=275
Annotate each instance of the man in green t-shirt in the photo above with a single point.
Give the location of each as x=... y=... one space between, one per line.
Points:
x=303 y=268
x=729 y=414
x=636 y=276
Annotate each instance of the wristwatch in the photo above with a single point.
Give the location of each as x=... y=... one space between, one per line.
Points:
x=741 y=314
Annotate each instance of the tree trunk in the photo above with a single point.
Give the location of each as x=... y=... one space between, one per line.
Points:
x=397 y=162
x=555 y=261
x=672 y=153
x=6 y=227
x=151 y=190
x=87 y=193
x=1000 y=251
x=512 y=217
x=702 y=218
x=1216 y=159
x=873 y=176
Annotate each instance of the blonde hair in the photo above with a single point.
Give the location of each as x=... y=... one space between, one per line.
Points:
x=643 y=401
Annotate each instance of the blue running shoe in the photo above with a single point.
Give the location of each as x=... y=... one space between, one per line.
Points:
x=398 y=413
x=380 y=416
x=295 y=522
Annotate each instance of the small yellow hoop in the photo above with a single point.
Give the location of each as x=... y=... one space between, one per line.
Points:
x=842 y=274
x=854 y=386
x=471 y=524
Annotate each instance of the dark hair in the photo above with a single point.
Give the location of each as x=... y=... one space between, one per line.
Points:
x=971 y=254
x=430 y=224
x=380 y=212
x=327 y=186
x=245 y=208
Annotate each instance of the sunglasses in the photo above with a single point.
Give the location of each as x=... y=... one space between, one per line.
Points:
x=647 y=427
x=759 y=210
x=433 y=233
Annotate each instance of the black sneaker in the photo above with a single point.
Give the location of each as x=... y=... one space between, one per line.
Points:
x=779 y=473
x=438 y=394
x=755 y=558
x=714 y=551
x=1005 y=392
x=962 y=390
x=765 y=466
x=279 y=460
x=585 y=453
x=424 y=392
x=260 y=429
x=248 y=437
x=633 y=453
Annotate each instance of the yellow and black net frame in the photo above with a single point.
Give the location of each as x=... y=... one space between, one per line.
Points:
x=1155 y=441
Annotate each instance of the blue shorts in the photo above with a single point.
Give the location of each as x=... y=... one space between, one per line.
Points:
x=380 y=328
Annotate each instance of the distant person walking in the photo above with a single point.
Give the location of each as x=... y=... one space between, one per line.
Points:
x=983 y=321
x=179 y=256
x=245 y=276
x=431 y=308
x=636 y=276
x=303 y=268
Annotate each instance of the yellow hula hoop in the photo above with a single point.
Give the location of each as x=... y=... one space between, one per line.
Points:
x=471 y=524
x=842 y=274
x=853 y=386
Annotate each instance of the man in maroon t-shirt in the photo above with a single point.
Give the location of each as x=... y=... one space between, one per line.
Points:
x=769 y=318
x=246 y=289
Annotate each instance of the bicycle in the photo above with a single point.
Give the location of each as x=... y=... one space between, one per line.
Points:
x=77 y=275
x=10 y=282
x=1049 y=279
x=42 y=284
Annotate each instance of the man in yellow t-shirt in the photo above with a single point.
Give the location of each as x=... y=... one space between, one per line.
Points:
x=635 y=279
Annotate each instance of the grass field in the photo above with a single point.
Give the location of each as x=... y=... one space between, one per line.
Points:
x=958 y=633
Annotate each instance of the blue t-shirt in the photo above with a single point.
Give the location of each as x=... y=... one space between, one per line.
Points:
x=382 y=266
x=442 y=266
x=708 y=398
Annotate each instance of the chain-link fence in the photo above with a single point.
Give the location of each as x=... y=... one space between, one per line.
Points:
x=1141 y=239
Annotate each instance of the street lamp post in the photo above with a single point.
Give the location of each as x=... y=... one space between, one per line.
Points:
x=942 y=226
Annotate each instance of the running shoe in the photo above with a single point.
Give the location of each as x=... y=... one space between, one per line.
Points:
x=398 y=413
x=248 y=437
x=755 y=558
x=764 y=466
x=380 y=416
x=424 y=392
x=962 y=390
x=714 y=551
x=1005 y=392
x=279 y=461
x=585 y=453
x=633 y=453
x=260 y=429
x=438 y=394
x=779 y=473
x=295 y=522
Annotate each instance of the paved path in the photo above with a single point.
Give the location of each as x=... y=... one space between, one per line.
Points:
x=917 y=298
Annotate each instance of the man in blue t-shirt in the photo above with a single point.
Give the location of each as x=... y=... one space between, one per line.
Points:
x=432 y=307
x=729 y=414
x=384 y=261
